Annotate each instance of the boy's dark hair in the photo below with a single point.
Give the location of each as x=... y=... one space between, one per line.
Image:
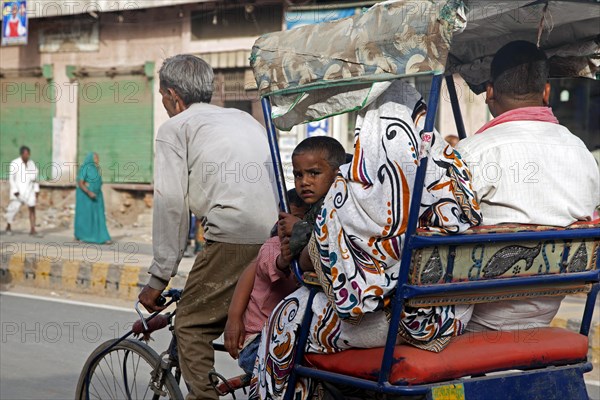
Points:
x=24 y=149
x=294 y=199
x=519 y=68
x=336 y=155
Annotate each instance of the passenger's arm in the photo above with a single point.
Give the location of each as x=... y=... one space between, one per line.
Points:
x=480 y=186
x=235 y=331
x=306 y=264
x=284 y=258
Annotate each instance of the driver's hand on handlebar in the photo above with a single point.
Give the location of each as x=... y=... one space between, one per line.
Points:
x=235 y=334
x=148 y=297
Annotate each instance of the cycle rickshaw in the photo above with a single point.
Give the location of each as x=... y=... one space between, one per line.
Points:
x=313 y=72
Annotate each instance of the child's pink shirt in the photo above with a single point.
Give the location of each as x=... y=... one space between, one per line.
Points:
x=270 y=287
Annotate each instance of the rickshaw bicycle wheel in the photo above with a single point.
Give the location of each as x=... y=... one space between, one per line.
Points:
x=124 y=372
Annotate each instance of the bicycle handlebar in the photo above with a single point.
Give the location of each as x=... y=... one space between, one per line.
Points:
x=174 y=294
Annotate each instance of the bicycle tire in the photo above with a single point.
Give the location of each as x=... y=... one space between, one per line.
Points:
x=102 y=387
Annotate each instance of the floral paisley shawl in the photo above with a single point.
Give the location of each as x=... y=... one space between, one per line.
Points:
x=360 y=230
x=358 y=239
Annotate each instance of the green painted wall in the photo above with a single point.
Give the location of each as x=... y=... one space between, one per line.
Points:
x=116 y=121
x=26 y=111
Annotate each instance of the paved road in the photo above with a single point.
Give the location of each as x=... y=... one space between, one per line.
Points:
x=44 y=345
x=45 y=342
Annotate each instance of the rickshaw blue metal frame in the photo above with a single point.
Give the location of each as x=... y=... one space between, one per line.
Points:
x=568 y=379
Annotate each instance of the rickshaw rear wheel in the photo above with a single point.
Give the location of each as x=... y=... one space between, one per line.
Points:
x=125 y=372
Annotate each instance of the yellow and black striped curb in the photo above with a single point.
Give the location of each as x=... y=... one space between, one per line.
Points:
x=100 y=278
x=125 y=282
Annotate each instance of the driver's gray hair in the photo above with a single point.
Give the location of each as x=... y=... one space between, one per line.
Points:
x=189 y=76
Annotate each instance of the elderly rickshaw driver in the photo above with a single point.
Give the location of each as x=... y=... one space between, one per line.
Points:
x=199 y=155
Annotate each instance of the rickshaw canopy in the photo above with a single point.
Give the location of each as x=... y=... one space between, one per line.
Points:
x=317 y=71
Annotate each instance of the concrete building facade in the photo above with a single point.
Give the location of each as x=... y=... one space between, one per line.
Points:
x=89 y=75
x=94 y=66
x=87 y=80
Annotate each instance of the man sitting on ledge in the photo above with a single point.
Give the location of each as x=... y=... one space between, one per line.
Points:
x=527 y=169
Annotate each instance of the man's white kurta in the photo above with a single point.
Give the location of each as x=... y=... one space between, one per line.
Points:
x=529 y=172
x=23 y=179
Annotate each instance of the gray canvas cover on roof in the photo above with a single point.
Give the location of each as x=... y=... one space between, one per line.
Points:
x=316 y=71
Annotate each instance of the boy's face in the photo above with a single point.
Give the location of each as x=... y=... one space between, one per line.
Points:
x=312 y=175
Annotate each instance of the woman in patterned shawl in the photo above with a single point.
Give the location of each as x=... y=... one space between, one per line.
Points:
x=356 y=246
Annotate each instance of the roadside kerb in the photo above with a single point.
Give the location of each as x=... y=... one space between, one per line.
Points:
x=100 y=278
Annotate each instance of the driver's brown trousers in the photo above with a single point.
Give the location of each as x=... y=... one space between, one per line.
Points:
x=202 y=311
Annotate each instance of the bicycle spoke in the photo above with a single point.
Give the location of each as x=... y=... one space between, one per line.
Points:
x=115 y=377
x=119 y=359
x=113 y=373
x=146 y=392
x=125 y=374
x=135 y=369
x=106 y=388
x=127 y=381
x=96 y=390
x=134 y=382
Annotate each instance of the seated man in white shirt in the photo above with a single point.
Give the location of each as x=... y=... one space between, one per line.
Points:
x=526 y=169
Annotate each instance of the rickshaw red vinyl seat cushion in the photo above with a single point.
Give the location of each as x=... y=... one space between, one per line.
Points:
x=469 y=354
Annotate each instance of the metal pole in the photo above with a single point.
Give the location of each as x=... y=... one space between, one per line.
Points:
x=588 y=312
x=413 y=218
x=275 y=156
x=460 y=126
x=278 y=169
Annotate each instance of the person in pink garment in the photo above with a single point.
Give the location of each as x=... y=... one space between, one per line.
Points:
x=262 y=285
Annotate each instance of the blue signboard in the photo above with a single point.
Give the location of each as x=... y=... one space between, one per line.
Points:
x=294 y=19
x=317 y=128
x=14 y=22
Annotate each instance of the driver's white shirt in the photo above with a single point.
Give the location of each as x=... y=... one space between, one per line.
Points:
x=529 y=172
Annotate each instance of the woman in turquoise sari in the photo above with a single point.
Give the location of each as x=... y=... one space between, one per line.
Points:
x=90 y=222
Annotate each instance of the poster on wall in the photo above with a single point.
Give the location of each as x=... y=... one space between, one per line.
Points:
x=14 y=22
